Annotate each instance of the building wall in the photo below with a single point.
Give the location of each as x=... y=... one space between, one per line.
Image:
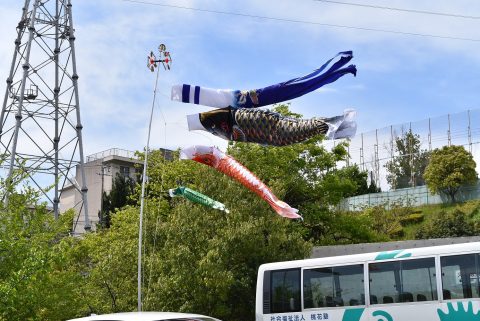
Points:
x=71 y=196
x=68 y=199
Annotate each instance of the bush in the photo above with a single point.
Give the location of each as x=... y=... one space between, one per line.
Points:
x=412 y=219
x=470 y=208
x=388 y=222
x=397 y=232
x=455 y=224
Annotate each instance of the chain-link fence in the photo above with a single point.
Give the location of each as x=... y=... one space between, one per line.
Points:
x=373 y=150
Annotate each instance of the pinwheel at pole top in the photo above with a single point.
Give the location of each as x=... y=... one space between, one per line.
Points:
x=165 y=59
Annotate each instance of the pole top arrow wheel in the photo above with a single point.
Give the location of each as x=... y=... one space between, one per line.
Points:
x=151 y=61
x=165 y=59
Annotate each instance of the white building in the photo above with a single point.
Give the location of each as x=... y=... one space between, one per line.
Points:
x=100 y=171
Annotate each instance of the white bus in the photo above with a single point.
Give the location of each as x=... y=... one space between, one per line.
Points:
x=439 y=283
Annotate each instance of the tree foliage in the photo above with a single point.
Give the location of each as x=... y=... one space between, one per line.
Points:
x=450 y=168
x=119 y=196
x=206 y=261
x=195 y=259
x=411 y=161
x=36 y=282
x=455 y=224
x=360 y=179
x=387 y=221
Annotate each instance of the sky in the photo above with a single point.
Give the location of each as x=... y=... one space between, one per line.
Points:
x=401 y=77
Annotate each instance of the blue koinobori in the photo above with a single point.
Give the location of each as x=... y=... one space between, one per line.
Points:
x=328 y=73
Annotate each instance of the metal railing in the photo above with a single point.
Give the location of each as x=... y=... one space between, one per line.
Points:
x=112 y=152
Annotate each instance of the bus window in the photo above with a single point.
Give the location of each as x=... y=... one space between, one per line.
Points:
x=285 y=291
x=418 y=280
x=460 y=276
x=403 y=281
x=333 y=286
x=383 y=281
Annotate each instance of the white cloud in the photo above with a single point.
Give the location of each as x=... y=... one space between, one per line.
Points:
x=224 y=51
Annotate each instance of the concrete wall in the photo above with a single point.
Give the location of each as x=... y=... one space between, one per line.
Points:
x=414 y=196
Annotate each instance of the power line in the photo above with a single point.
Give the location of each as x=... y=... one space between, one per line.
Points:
x=404 y=33
x=444 y=14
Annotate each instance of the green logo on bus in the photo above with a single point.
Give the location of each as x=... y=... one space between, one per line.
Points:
x=384 y=315
x=356 y=315
x=460 y=314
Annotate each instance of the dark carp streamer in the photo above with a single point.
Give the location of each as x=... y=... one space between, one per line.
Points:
x=269 y=128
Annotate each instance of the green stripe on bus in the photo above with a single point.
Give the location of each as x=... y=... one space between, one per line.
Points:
x=353 y=314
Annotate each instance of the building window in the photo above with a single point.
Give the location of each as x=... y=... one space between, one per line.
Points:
x=125 y=171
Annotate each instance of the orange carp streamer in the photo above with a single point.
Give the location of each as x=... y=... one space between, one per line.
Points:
x=215 y=158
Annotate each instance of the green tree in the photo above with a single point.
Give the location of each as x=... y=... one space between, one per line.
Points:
x=450 y=168
x=307 y=176
x=36 y=282
x=360 y=179
x=104 y=214
x=204 y=260
x=372 y=187
x=122 y=188
x=410 y=162
x=196 y=259
x=107 y=260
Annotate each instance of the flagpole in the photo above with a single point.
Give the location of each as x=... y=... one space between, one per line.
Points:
x=152 y=64
x=142 y=199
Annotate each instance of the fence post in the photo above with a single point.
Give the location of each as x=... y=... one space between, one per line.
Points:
x=449 y=132
x=469 y=133
x=426 y=188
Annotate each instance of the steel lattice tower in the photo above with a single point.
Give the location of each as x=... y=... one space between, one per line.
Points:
x=40 y=127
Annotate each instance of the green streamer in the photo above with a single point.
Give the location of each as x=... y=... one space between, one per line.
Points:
x=197 y=197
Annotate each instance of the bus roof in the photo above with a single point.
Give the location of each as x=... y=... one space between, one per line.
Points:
x=376 y=256
x=337 y=250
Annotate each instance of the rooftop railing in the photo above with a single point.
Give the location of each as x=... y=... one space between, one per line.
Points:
x=112 y=152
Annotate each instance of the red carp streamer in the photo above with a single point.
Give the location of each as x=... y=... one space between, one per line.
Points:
x=215 y=158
